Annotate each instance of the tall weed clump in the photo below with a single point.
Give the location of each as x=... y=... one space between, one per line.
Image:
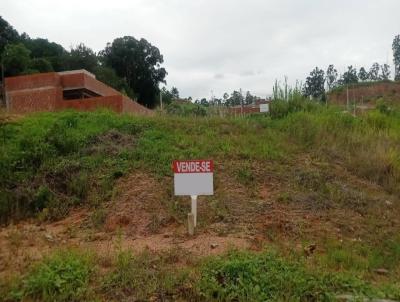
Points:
x=287 y=99
x=368 y=145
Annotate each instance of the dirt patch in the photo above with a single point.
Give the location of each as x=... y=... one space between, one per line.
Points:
x=367 y=92
x=138 y=208
x=111 y=142
x=140 y=217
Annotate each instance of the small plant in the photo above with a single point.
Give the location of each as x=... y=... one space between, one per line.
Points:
x=186 y=109
x=145 y=276
x=245 y=175
x=382 y=107
x=63 y=276
x=98 y=217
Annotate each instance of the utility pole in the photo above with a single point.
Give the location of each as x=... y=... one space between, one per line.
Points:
x=161 y=104
x=347 y=92
x=241 y=102
x=3 y=86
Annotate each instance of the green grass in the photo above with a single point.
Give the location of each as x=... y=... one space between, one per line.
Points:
x=176 y=276
x=63 y=276
x=145 y=276
x=242 y=276
x=53 y=161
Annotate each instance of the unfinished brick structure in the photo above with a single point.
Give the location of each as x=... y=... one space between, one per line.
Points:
x=53 y=91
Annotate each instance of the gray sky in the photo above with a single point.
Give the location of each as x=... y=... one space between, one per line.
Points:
x=222 y=45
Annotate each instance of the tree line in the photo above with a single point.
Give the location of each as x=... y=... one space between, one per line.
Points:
x=235 y=98
x=128 y=65
x=319 y=80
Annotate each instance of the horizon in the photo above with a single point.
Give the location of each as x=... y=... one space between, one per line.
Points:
x=206 y=51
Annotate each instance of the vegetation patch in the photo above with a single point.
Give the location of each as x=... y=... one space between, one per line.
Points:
x=63 y=276
x=267 y=277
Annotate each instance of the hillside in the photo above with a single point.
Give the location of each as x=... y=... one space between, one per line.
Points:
x=367 y=93
x=310 y=197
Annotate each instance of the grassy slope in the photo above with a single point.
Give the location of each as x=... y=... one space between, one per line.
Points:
x=345 y=170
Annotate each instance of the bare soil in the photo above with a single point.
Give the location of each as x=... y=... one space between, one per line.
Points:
x=144 y=215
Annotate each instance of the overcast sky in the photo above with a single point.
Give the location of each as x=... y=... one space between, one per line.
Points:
x=222 y=45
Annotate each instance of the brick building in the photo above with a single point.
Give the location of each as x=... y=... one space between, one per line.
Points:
x=53 y=91
x=248 y=109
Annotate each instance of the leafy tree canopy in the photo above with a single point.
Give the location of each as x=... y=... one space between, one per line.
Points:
x=108 y=76
x=396 y=56
x=139 y=63
x=331 y=77
x=315 y=84
x=16 y=58
x=41 y=65
x=373 y=74
x=8 y=35
x=349 y=77
x=82 y=57
x=363 y=75
x=385 y=72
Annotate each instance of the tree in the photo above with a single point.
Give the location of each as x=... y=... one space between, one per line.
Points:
x=349 y=77
x=235 y=99
x=396 y=57
x=363 y=75
x=41 y=65
x=82 y=57
x=374 y=72
x=175 y=93
x=315 y=84
x=16 y=59
x=249 y=99
x=108 y=76
x=204 y=102
x=225 y=98
x=40 y=48
x=385 y=72
x=331 y=77
x=139 y=63
x=8 y=35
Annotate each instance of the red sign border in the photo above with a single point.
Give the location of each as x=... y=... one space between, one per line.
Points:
x=175 y=170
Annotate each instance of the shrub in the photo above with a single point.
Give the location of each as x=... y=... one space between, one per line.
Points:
x=145 y=277
x=242 y=276
x=63 y=276
x=186 y=109
x=281 y=108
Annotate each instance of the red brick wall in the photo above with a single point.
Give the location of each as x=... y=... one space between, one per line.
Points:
x=129 y=106
x=113 y=103
x=73 y=80
x=26 y=101
x=99 y=87
x=51 y=79
x=246 y=110
x=43 y=92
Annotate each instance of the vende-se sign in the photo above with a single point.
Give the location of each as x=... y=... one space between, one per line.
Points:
x=193 y=177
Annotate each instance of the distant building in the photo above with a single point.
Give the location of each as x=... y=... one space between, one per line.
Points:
x=247 y=109
x=54 y=91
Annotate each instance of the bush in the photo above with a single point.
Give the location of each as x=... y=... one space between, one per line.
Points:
x=64 y=276
x=383 y=107
x=145 y=277
x=281 y=108
x=242 y=276
x=186 y=109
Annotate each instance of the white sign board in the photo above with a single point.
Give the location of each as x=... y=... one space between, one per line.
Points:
x=193 y=177
x=264 y=107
